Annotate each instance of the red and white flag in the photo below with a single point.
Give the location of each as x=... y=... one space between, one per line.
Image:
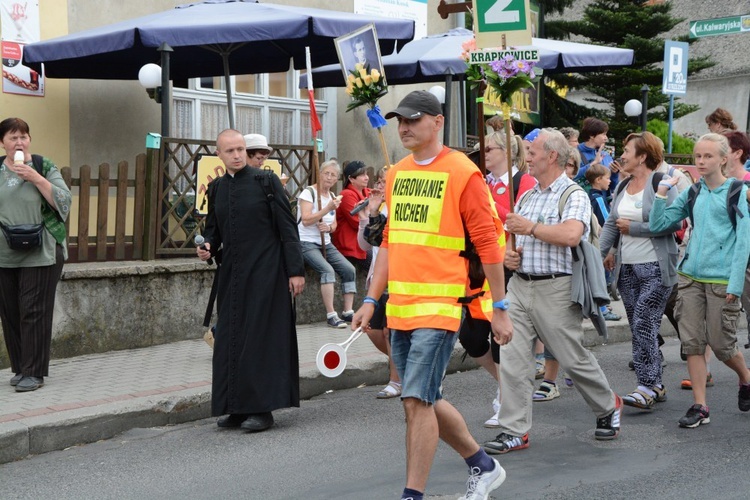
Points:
x=314 y=121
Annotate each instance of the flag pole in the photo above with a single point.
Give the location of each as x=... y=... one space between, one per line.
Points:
x=314 y=128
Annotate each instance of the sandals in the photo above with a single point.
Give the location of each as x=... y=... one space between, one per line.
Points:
x=546 y=392
x=639 y=399
x=392 y=390
x=661 y=394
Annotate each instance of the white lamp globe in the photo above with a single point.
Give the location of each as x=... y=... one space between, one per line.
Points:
x=633 y=107
x=438 y=92
x=150 y=76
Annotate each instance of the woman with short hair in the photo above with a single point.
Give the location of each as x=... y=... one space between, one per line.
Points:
x=644 y=262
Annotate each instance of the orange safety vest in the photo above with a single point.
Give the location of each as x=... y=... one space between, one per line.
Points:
x=426 y=272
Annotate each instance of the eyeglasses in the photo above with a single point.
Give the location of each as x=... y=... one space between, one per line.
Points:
x=330 y=174
x=488 y=149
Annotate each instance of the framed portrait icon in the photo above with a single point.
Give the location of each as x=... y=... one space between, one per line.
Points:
x=359 y=46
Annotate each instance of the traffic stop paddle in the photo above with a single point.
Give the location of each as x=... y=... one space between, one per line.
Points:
x=331 y=358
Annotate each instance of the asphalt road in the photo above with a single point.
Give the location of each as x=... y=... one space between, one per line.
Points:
x=349 y=445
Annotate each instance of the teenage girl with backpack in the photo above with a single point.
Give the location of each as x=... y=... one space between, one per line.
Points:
x=708 y=305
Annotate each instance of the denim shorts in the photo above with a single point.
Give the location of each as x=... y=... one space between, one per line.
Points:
x=421 y=358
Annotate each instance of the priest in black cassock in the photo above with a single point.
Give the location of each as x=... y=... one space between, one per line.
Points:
x=255 y=363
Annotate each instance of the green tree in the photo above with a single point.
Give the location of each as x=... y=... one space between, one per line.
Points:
x=635 y=24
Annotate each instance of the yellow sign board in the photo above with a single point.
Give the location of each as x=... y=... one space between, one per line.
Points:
x=210 y=167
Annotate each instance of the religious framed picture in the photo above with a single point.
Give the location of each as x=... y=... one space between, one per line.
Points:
x=360 y=46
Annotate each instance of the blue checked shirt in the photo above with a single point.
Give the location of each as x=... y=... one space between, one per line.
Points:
x=542 y=206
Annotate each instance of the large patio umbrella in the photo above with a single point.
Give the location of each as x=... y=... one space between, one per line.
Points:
x=431 y=58
x=251 y=38
x=438 y=58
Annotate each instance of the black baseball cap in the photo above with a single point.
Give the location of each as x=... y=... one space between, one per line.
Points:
x=417 y=104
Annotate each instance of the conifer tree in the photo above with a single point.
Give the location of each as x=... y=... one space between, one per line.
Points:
x=640 y=25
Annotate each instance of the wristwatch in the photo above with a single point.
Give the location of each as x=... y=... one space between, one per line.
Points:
x=503 y=305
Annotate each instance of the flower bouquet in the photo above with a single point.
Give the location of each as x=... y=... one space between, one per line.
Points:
x=505 y=77
x=366 y=86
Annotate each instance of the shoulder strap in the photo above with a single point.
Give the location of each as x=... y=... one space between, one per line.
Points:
x=621 y=186
x=564 y=197
x=692 y=195
x=517 y=183
x=656 y=179
x=523 y=198
x=733 y=199
x=38 y=162
x=264 y=177
x=671 y=171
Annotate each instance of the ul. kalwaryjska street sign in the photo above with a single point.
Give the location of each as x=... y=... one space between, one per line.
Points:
x=719 y=26
x=494 y=18
x=675 y=67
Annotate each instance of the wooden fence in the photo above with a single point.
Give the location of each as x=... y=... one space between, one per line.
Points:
x=147 y=211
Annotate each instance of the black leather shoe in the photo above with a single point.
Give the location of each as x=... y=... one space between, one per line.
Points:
x=16 y=379
x=27 y=384
x=231 y=420
x=258 y=422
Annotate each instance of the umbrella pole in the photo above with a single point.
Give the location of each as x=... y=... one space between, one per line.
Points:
x=447 y=111
x=227 y=85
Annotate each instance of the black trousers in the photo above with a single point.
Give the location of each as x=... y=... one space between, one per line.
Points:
x=27 y=300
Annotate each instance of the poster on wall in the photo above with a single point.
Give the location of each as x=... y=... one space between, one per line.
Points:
x=415 y=10
x=19 y=21
x=17 y=78
x=19 y=25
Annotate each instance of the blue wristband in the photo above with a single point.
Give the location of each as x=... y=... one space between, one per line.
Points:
x=370 y=300
x=666 y=185
x=503 y=305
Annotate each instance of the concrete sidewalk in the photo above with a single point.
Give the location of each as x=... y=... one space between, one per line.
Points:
x=97 y=396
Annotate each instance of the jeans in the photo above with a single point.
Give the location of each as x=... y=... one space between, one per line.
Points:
x=329 y=265
x=421 y=358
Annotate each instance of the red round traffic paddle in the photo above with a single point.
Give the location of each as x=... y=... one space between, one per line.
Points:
x=331 y=358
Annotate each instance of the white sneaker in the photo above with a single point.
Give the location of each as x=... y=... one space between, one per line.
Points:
x=493 y=422
x=479 y=486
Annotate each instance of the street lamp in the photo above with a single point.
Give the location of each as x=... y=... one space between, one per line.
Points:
x=633 y=107
x=149 y=77
x=439 y=92
x=155 y=80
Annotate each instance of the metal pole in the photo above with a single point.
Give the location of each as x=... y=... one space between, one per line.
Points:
x=228 y=86
x=671 y=115
x=447 y=109
x=166 y=89
x=644 y=111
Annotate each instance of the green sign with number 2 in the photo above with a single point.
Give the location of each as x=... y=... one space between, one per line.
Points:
x=501 y=15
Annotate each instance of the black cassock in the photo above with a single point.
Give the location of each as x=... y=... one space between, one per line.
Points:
x=255 y=363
